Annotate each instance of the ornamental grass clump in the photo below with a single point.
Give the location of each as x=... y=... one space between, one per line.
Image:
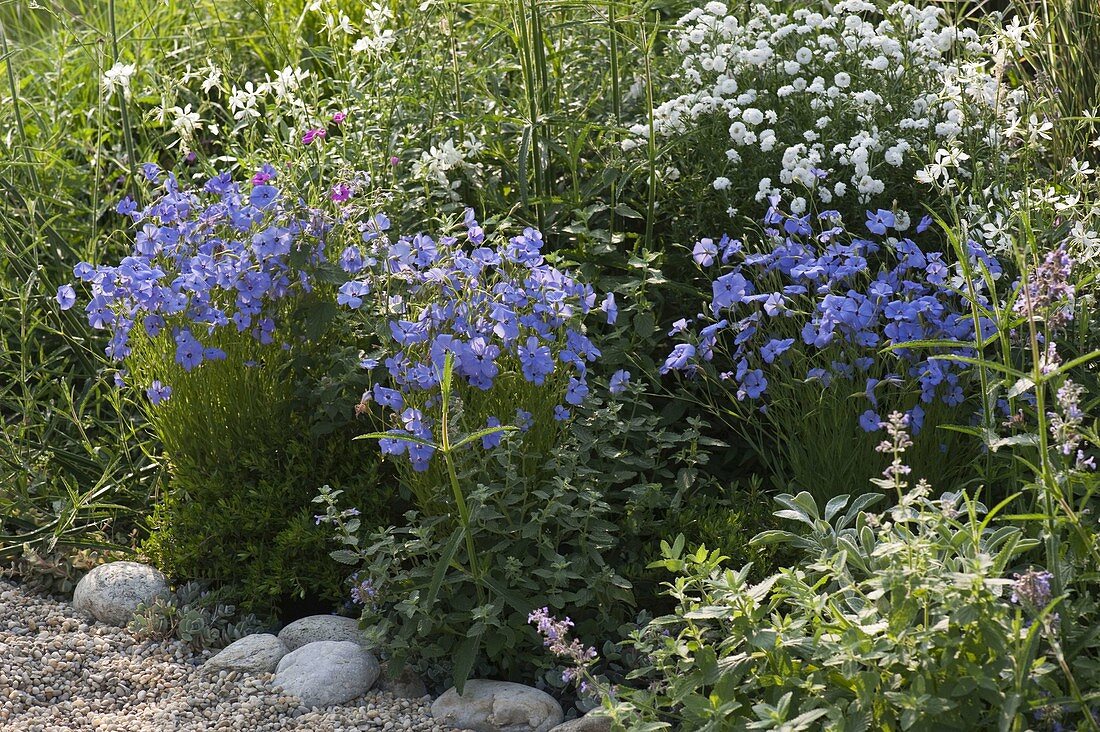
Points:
x=214 y=318
x=830 y=107
x=806 y=335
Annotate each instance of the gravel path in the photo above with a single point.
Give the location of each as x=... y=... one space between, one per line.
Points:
x=59 y=671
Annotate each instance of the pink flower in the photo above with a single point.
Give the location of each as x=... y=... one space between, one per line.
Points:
x=341 y=193
x=395 y=161
x=311 y=135
x=339 y=117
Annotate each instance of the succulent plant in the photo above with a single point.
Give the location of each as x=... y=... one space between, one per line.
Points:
x=54 y=572
x=194 y=615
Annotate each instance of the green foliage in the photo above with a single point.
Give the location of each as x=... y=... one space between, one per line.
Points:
x=893 y=621
x=195 y=616
x=52 y=573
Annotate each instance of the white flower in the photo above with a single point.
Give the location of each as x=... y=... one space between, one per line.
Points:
x=842 y=80
x=212 y=79
x=118 y=77
x=721 y=183
x=242 y=102
x=184 y=121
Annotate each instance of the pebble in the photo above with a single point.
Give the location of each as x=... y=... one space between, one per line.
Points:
x=61 y=673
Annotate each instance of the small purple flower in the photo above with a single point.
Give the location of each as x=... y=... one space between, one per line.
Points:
x=66 y=296
x=878 y=222
x=870 y=421
x=524 y=420
x=492 y=440
x=313 y=134
x=576 y=392
x=610 y=308
x=340 y=193
x=158 y=392
x=619 y=381
x=704 y=252
x=561 y=414
x=775 y=348
x=679 y=359
x=1032 y=588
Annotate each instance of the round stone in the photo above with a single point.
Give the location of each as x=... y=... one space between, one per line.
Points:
x=321 y=628
x=498 y=706
x=324 y=673
x=258 y=653
x=112 y=592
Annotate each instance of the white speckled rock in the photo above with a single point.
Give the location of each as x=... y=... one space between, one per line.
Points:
x=591 y=722
x=112 y=592
x=327 y=672
x=498 y=706
x=321 y=628
x=256 y=654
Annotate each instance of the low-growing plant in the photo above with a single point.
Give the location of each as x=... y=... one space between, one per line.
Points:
x=194 y=615
x=796 y=324
x=836 y=107
x=219 y=316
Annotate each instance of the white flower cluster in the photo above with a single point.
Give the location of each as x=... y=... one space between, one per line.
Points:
x=437 y=163
x=832 y=104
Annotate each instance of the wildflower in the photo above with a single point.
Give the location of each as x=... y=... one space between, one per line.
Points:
x=610 y=308
x=339 y=117
x=313 y=134
x=340 y=193
x=1047 y=291
x=1032 y=589
x=619 y=381
x=66 y=296
x=555 y=634
x=118 y=77
x=158 y=392
x=492 y=440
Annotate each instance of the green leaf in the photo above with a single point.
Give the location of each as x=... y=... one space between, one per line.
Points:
x=445 y=559
x=483 y=433
x=345 y=556
x=465 y=656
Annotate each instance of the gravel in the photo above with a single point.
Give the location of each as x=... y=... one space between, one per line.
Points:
x=61 y=671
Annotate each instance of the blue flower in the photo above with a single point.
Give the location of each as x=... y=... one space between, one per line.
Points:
x=66 y=296
x=774 y=348
x=679 y=359
x=561 y=414
x=189 y=352
x=754 y=384
x=524 y=420
x=619 y=381
x=263 y=196
x=388 y=397
x=536 y=361
x=576 y=392
x=704 y=252
x=878 y=222
x=351 y=294
x=490 y=441
x=728 y=290
x=869 y=421
x=158 y=392
x=610 y=308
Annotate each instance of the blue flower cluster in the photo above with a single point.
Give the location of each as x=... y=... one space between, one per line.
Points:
x=202 y=260
x=494 y=309
x=835 y=299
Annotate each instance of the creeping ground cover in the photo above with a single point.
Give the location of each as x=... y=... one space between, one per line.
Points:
x=702 y=366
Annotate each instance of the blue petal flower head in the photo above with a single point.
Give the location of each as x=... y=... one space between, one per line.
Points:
x=351 y=260
x=524 y=420
x=491 y=441
x=127 y=207
x=704 y=252
x=536 y=361
x=753 y=385
x=263 y=196
x=388 y=397
x=420 y=456
x=775 y=348
x=561 y=414
x=925 y=222
x=610 y=308
x=679 y=326
x=728 y=290
x=151 y=172
x=679 y=359
x=351 y=294
x=158 y=392
x=869 y=421
x=576 y=391
x=880 y=220
x=66 y=296
x=619 y=381
x=221 y=184
x=189 y=352
x=393 y=445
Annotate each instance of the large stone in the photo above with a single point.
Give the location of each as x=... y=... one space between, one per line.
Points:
x=324 y=673
x=258 y=654
x=321 y=628
x=112 y=592
x=498 y=706
x=405 y=685
x=591 y=722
